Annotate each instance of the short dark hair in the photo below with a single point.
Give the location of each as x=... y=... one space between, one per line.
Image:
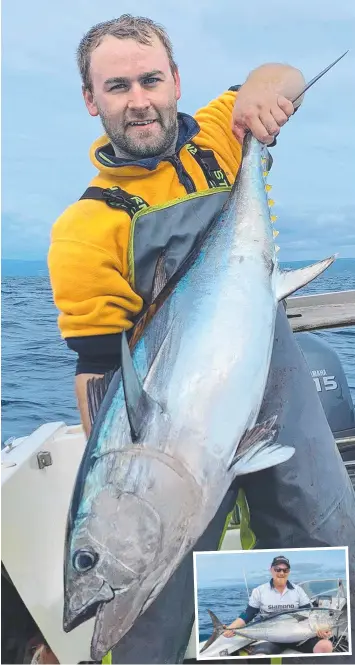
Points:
x=125 y=27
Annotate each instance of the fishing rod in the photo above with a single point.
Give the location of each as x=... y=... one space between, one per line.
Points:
x=246 y=581
x=316 y=78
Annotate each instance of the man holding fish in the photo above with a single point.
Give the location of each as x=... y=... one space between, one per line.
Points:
x=131 y=265
x=130 y=79
x=279 y=595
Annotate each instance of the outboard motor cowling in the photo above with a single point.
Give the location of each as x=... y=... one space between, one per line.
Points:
x=331 y=383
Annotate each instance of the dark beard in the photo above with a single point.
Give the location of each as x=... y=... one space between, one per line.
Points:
x=127 y=147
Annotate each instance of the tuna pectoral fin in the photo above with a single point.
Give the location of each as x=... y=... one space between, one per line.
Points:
x=290 y=281
x=257 y=449
x=218 y=629
x=140 y=406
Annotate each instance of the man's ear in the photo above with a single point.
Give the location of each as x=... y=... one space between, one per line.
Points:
x=89 y=102
x=177 y=84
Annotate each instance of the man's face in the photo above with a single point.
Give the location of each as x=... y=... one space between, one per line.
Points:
x=133 y=83
x=280 y=573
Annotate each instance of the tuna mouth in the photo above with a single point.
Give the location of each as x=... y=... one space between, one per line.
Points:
x=72 y=621
x=73 y=618
x=114 y=619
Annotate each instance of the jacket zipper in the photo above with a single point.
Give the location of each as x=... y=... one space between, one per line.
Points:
x=183 y=175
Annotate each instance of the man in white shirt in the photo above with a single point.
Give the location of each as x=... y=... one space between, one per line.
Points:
x=279 y=595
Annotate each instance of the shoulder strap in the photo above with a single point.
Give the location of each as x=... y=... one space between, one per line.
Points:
x=213 y=172
x=115 y=197
x=206 y=159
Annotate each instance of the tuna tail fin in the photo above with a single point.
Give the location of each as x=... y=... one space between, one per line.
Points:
x=139 y=404
x=218 y=629
x=291 y=280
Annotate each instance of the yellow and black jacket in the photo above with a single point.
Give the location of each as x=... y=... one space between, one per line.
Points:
x=104 y=247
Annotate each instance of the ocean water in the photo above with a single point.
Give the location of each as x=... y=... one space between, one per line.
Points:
x=38 y=369
x=226 y=602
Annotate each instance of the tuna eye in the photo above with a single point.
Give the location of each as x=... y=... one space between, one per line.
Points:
x=84 y=560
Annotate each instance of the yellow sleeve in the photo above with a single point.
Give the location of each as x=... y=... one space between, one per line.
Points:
x=215 y=121
x=91 y=294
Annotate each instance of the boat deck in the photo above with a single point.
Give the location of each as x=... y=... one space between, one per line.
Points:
x=334 y=309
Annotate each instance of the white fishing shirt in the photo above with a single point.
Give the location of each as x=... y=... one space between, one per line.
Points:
x=267 y=599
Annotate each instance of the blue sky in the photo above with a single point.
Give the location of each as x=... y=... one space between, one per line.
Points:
x=225 y=568
x=47 y=131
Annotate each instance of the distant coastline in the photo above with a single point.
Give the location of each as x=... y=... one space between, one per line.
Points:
x=22 y=268
x=39 y=268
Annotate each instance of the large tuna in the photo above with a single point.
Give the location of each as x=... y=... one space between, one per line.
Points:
x=288 y=627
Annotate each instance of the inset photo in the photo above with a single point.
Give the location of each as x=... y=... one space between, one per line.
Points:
x=293 y=602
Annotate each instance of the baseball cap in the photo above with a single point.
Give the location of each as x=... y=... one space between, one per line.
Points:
x=280 y=559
